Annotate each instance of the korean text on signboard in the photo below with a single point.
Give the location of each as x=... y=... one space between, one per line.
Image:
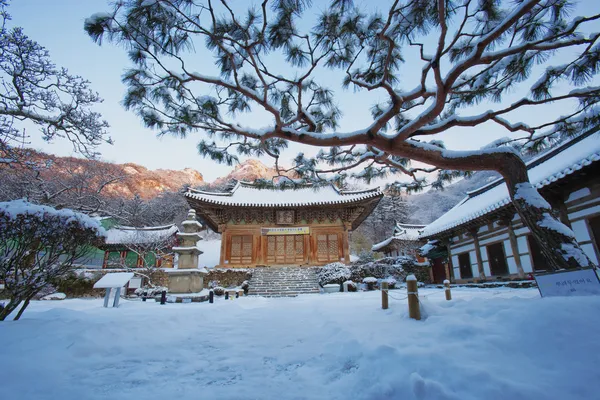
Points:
x=581 y=282
x=303 y=230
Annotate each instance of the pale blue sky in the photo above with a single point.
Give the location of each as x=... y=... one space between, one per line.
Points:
x=58 y=25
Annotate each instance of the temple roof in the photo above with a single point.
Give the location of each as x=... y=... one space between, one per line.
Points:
x=128 y=235
x=402 y=232
x=245 y=194
x=543 y=170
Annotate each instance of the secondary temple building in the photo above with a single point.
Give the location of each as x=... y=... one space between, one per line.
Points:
x=485 y=238
x=305 y=226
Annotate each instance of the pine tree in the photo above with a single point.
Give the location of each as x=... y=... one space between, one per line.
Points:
x=471 y=53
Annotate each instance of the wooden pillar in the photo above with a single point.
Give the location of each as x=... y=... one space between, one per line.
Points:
x=345 y=243
x=384 y=295
x=414 y=309
x=515 y=247
x=105 y=260
x=449 y=263
x=224 y=240
x=473 y=233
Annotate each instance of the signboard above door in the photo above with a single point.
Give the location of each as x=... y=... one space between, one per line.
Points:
x=296 y=230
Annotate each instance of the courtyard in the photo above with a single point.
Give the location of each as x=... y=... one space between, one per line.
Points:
x=486 y=343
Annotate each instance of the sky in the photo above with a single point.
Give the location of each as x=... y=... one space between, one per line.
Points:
x=58 y=26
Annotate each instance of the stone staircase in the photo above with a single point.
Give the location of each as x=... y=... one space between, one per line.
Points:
x=283 y=281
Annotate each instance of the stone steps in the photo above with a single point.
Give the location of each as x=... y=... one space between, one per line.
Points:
x=283 y=282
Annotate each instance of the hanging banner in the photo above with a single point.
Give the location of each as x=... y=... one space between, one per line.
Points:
x=579 y=282
x=296 y=230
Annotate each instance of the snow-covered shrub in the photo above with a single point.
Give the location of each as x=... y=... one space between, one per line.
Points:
x=365 y=257
x=371 y=282
x=391 y=282
x=39 y=244
x=151 y=291
x=213 y=284
x=333 y=273
x=352 y=287
x=381 y=269
x=219 y=291
x=245 y=286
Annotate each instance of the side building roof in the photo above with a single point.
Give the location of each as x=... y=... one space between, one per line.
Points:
x=543 y=170
x=128 y=235
x=247 y=195
x=402 y=232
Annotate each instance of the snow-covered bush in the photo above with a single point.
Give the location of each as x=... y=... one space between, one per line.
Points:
x=219 y=291
x=352 y=287
x=381 y=269
x=391 y=282
x=245 y=286
x=151 y=291
x=371 y=282
x=365 y=257
x=39 y=244
x=333 y=273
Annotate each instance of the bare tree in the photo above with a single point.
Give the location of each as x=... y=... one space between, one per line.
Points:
x=69 y=183
x=37 y=245
x=33 y=89
x=481 y=51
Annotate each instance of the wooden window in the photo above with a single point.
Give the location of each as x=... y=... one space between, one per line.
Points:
x=464 y=264
x=285 y=249
x=595 y=227
x=328 y=247
x=537 y=258
x=241 y=250
x=497 y=259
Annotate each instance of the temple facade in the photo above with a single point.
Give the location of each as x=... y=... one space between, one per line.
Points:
x=305 y=226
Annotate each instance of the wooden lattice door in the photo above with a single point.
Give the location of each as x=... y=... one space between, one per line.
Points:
x=328 y=247
x=285 y=249
x=241 y=250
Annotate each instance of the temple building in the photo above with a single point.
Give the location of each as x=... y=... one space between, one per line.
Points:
x=306 y=226
x=485 y=238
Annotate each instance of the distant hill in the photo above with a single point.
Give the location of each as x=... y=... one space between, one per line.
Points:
x=426 y=207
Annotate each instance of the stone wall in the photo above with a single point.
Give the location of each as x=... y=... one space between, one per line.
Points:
x=227 y=277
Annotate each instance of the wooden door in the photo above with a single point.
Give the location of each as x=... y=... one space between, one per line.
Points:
x=464 y=263
x=328 y=247
x=537 y=258
x=241 y=250
x=285 y=249
x=497 y=259
x=439 y=270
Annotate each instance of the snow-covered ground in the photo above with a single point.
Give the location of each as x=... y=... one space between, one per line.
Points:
x=485 y=344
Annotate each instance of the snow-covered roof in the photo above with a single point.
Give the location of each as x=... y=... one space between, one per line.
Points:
x=245 y=194
x=132 y=235
x=404 y=232
x=543 y=170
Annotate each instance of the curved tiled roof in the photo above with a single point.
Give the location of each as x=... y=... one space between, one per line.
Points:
x=130 y=235
x=246 y=194
x=406 y=232
x=543 y=170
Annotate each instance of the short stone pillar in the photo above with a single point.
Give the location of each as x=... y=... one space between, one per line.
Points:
x=187 y=278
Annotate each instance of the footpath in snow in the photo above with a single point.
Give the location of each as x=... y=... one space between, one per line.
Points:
x=485 y=344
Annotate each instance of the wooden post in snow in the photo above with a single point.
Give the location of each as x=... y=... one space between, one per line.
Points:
x=384 y=295
x=414 y=310
x=447 y=290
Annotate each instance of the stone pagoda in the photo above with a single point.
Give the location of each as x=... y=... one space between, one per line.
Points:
x=187 y=277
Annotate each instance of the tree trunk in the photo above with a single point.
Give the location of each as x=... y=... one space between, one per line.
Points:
x=556 y=240
x=23 y=307
x=9 y=308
